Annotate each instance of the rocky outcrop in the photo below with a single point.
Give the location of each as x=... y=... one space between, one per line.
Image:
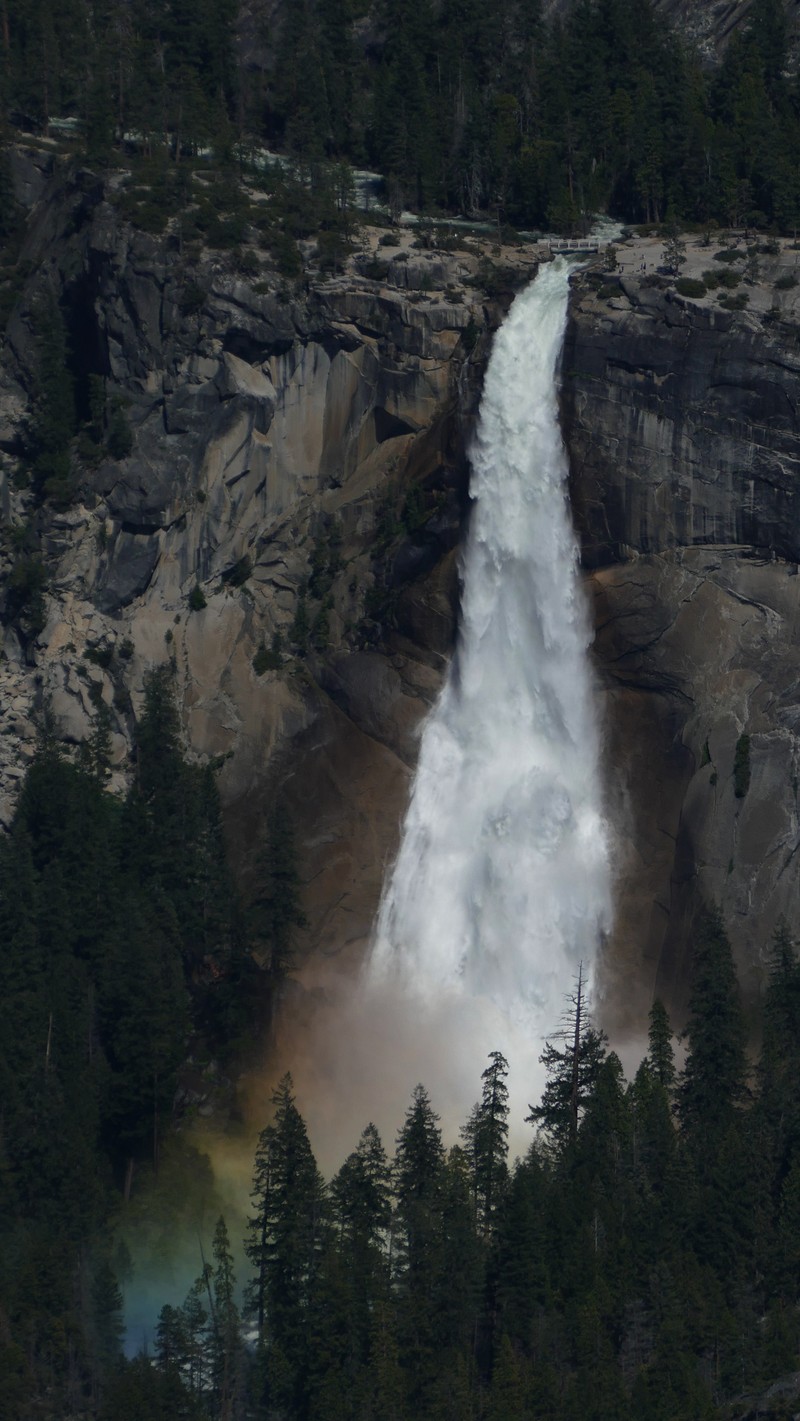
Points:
x=684 y=438
x=275 y=435
x=284 y=531
x=682 y=425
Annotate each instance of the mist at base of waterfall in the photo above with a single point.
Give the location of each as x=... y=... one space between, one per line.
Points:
x=501 y=885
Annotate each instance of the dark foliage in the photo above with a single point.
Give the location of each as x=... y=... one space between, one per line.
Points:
x=122 y=943
x=632 y=1267
x=462 y=107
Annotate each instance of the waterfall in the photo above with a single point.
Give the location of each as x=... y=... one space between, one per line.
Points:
x=501 y=883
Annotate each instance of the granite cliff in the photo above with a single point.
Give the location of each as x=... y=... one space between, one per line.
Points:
x=285 y=527
x=681 y=419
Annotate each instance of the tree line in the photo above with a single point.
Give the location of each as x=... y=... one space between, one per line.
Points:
x=638 y=1264
x=463 y=107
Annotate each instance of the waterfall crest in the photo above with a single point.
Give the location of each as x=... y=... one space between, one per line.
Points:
x=501 y=884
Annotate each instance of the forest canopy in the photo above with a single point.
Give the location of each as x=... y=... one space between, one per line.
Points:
x=462 y=107
x=638 y=1264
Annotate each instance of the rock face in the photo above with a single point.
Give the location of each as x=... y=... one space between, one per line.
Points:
x=285 y=527
x=683 y=433
x=264 y=503
x=690 y=411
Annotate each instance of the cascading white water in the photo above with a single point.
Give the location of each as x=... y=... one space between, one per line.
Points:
x=501 y=884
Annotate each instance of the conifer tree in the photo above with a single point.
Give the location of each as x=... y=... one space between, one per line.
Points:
x=571 y=1073
x=713 y=1084
x=276 y=912
x=226 y=1340
x=486 y=1139
x=285 y=1239
x=660 y=1056
x=780 y=1049
x=419 y=1181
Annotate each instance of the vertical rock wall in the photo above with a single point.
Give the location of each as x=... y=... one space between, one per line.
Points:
x=683 y=433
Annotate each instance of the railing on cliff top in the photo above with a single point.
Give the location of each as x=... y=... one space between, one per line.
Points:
x=565 y=246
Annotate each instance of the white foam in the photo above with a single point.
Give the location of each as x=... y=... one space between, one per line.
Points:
x=501 y=884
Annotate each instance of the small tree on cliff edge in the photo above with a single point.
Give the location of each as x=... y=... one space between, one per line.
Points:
x=674 y=253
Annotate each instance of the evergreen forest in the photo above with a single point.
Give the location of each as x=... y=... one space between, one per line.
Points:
x=639 y=1263
x=462 y=107
x=125 y=947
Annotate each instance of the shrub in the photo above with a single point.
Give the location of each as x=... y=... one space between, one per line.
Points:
x=247 y=262
x=197 y=599
x=729 y=254
x=99 y=655
x=151 y=217
x=729 y=279
x=265 y=660
x=287 y=257
x=735 y=303
x=690 y=286
x=375 y=270
x=741 y=767
x=192 y=299
x=227 y=232
x=711 y=280
x=786 y=281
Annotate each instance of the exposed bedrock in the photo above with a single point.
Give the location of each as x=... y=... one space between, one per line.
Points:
x=308 y=448
x=298 y=456
x=683 y=434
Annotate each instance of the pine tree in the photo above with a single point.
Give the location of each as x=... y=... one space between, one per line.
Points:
x=722 y=1208
x=226 y=1342
x=571 y=1074
x=285 y=1239
x=361 y=1197
x=506 y=1394
x=276 y=913
x=780 y=1050
x=486 y=1140
x=419 y=1181
x=519 y=1273
x=714 y=1080
x=660 y=1056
